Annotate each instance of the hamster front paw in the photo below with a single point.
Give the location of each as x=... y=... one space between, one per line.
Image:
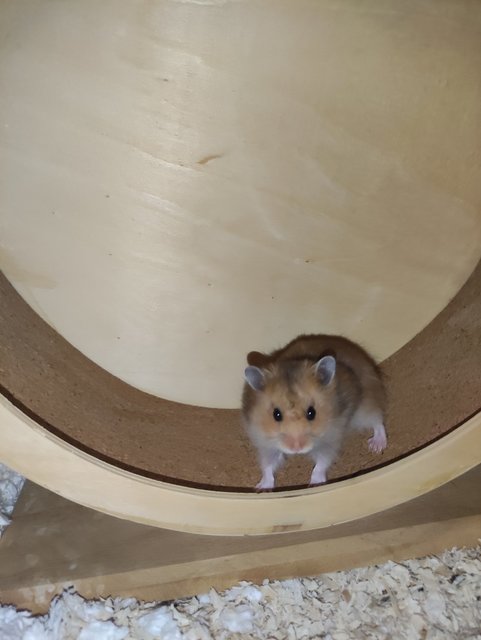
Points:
x=378 y=442
x=267 y=481
x=265 y=484
x=318 y=475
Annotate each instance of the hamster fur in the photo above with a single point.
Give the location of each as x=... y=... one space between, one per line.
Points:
x=303 y=398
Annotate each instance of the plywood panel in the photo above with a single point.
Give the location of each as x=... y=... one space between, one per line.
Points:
x=182 y=182
x=57 y=402
x=54 y=543
x=70 y=472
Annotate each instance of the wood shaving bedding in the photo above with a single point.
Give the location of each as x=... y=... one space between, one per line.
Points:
x=432 y=598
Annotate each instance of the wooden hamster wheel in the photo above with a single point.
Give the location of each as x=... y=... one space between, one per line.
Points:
x=168 y=205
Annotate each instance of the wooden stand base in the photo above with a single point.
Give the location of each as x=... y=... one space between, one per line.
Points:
x=53 y=543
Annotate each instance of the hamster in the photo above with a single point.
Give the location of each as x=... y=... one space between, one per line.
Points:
x=304 y=397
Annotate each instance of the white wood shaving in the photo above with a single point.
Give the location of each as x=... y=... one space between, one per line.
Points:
x=11 y=484
x=432 y=598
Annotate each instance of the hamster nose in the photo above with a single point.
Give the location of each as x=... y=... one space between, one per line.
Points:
x=295 y=443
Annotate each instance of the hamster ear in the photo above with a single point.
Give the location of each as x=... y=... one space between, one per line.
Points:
x=325 y=369
x=257 y=359
x=255 y=378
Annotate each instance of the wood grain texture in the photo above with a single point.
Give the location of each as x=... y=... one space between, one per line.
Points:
x=72 y=473
x=338 y=189
x=433 y=385
x=54 y=543
x=207 y=178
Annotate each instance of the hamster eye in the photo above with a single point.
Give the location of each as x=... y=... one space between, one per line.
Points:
x=277 y=415
x=310 y=413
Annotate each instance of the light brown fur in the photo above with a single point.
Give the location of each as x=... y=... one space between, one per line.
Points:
x=353 y=398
